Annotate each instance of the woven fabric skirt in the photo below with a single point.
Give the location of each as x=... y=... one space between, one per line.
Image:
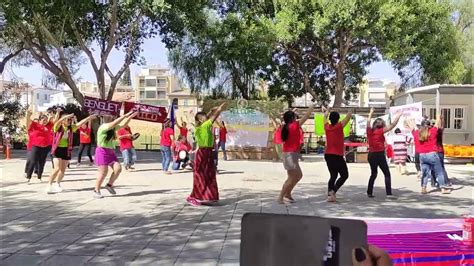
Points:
x=204 y=177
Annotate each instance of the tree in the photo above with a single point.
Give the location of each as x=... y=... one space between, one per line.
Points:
x=51 y=30
x=126 y=79
x=224 y=54
x=11 y=109
x=464 y=20
x=326 y=46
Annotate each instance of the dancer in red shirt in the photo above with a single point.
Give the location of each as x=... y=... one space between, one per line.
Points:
x=376 y=156
x=129 y=154
x=167 y=137
x=85 y=139
x=290 y=134
x=277 y=141
x=334 y=152
x=39 y=141
x=222 y=138
x=183 y=129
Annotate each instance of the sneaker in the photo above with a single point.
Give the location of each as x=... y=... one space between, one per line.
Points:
x=50 y=189
x=370 y=195
x=110 y=189
x=78 y=164
x=131 y=167
x=289 y=199
x=193 y=201
x=424 y=191
x=390 y=196
x=97 y=195
x=59 y=188
x=91 y=164
x=445 y=191
x=126 y=168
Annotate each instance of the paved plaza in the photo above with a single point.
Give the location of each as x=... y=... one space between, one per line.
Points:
x=148 y=221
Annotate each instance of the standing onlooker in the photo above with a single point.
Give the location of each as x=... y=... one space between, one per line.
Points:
x=215 y=132
x=167 y=138
x=334 y=152
x=222 y=139
x=439 y=143
x=129 y=155
x=376 y=156
x=85 y=142
x=400 y=150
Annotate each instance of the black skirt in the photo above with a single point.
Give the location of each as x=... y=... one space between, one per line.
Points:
x=61 y=153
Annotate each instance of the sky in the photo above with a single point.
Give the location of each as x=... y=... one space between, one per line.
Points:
x=155 y=53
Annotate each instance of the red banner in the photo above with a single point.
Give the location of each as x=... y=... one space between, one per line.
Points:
x=101 y=107
x=150 y=113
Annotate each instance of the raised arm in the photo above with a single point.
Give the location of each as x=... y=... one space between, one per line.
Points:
x=440 y=122
x=411 y=124
x=127 y=119
x=325 y=111
x=117 y=121
x=60 y=120
x=393 y=124
x=306 y=115
x=346 y=119
x=371 y=113
x=217 y=112
x=86 y=120
x=28 y=119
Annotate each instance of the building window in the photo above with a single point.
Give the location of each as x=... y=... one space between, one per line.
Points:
x=150 y=82
x=161 y=95
x=150 y=94
x=185 y=102
x=454 y=116
x=141 y=82
x=45 y=97
x=161 y=82
x=37 y=96
x=142 y=94
x=458 y=118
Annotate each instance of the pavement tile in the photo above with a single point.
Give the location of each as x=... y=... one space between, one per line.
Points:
x=56 y=260
x=61 y=238
x=148 y=260
x=231 y=249
x=26 y=236
x=166 y=252
x=42 y=248
x=93 y=239
x=110 y=261
x=12 y=247
x=119 y=249
x=226 y=262
x=23 y=259
x=77 y=249
x=195 y=261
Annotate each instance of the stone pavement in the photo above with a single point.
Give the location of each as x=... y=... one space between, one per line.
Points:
x=148 y=221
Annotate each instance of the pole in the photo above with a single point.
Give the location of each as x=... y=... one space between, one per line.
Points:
x=438 y=111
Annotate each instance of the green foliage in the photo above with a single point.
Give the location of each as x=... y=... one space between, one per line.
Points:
x=272 y=108
x=126 y=79
x=13 y=111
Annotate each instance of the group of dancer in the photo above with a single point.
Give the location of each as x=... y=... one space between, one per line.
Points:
x=427 y=139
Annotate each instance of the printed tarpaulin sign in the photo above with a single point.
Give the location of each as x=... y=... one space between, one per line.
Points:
x=246 y=127
x=319 y=125
x=361 y=123
x=410 y=111
x=101 y=107
x=150 y=113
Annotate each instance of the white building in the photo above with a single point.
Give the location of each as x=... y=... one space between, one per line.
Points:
x=455 y=102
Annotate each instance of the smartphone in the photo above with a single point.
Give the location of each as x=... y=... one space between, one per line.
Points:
x=276 y=239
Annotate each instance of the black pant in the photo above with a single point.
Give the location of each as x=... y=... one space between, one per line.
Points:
x=37 y=157
x=81 y=149
x=417 y=162
x=336 y=165
x=28 y=162
x=377 y=159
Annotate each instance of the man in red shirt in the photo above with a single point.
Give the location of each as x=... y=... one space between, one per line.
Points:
x=167 y=138
x=222 y=138
x=85 y=142
x=129 y=154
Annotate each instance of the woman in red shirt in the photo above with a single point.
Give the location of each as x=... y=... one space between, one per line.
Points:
x=277 y=137
x=427 y=136
x=183 y=129
x=290 y=135
x=376 y=156
x=85 y=142
x=334 y=152
x=222 y=138
x=39 y=137
x=167 y=137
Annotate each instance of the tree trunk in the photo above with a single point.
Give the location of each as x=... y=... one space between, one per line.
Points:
x=307 y=86
x=339 y=90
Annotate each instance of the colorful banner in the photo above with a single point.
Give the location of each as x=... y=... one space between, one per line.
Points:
x=147 y=112
x=319 y=125
x=246 y=128
x=410 y=111
x=101 y=107
x=361 y=123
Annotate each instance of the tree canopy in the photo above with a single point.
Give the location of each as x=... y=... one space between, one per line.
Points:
x=53 y=30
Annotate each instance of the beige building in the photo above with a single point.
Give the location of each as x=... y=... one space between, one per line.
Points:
x=375 y=93
x=156 y=85
x=455 y=102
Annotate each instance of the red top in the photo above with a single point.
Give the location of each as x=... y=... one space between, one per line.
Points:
x=178 y=146
x=85 y=135
x=127 y=142
x=430 y=144
x=277 y=136
x=183 y=131
x=416 y=141
x=166 y=137
x=301 y=136
x=223 y=134
x=376 y=139
x=292 y=144
x=334 y=139
x=41 y=135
